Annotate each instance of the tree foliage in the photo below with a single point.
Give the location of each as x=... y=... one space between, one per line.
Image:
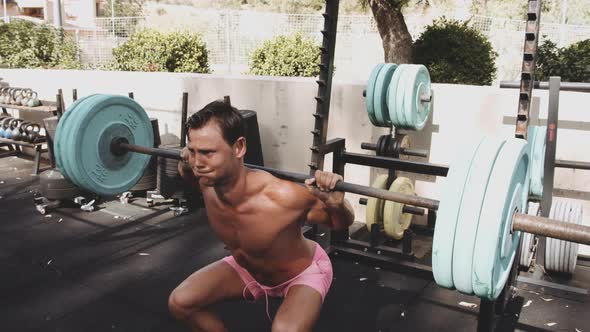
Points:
x=571 y=63
x=453 y=52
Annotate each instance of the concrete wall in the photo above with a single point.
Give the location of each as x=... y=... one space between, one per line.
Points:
x=284 y=107
x=81 y=13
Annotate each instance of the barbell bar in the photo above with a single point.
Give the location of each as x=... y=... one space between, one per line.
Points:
x=105 y=127
x=119 y=146
x=103 y=143
x=563 y=86
x=520 y=222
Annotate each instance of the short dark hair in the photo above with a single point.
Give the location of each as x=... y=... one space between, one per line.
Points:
x=227 y=117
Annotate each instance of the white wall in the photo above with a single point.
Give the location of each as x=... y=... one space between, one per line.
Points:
x=285 y=105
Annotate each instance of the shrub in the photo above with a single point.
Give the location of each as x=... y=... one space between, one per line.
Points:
x=453 y=52
x=286 y=56
x=571 y=63
x=151 y=50
x=24 y=44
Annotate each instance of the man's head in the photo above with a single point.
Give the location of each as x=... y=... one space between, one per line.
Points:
x=216 y=142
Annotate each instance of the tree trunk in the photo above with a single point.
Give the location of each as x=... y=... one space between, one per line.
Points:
x=397 y=42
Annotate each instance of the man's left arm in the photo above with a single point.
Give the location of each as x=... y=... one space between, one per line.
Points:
x=331 y=208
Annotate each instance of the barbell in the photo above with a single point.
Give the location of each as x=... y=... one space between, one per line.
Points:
x=104 y=142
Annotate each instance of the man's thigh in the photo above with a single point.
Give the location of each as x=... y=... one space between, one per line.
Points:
x=300 y=309
x=215 y=282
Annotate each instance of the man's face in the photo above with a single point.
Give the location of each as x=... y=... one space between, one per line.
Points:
x=213 y=160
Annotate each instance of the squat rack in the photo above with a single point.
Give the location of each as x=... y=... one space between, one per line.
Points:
x=404 y=260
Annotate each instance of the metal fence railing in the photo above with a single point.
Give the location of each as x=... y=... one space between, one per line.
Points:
x=231 y=36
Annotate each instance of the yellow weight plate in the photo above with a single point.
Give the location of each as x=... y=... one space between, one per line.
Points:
x=395 y=222
x=374 y=212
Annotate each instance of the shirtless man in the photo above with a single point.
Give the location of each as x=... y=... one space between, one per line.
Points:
x=258 y=217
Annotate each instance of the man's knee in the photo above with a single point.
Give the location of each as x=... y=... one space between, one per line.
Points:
x=283 y=324
x=175 y=305
x=179 y=305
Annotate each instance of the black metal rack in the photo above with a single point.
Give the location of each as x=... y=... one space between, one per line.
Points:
x=403 y=259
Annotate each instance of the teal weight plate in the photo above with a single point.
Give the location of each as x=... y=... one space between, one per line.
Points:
x=446 y=221
x=380 y=95
x=82 y=175
x=61 y=141
x=369 y=101
x=409 y=92
x=496 y=244
x=70 y=157
x=420 y=110
x=392 y=96
x=105 y=118
x=537 y=145
x=70 y=141
x=399 y=100
x=468 y=218
x=60 y=132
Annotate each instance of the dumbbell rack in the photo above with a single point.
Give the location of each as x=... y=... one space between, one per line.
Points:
x=403 y=260
x=47 y=106
x=15 y=151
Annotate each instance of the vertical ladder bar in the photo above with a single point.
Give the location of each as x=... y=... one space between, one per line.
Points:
x=338 y=168
x=324 y=82
x=324 y=85
x=531 y=41
x=183 y=119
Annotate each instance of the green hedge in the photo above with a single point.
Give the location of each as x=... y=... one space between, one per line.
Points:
x=572 y=63
x=455 y=53
x=151 y=50
x=24 y=44
x=291 y=55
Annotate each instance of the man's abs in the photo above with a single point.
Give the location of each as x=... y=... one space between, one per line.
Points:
x=279 y=264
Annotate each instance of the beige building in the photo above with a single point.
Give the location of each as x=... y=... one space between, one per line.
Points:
x=75 y=13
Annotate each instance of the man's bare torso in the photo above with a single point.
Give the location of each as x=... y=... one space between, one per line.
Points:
x=262 y=234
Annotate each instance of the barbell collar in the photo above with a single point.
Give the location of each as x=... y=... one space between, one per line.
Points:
x=369 y=146
x=572 y=164
x=413 y=210
x=426 y=98
x=551 y=228
x=166 y=153
x=414 y=152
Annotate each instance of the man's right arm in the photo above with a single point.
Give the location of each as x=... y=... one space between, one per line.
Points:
x=185 y=170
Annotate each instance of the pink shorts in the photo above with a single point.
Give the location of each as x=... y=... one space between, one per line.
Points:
x=318 y=276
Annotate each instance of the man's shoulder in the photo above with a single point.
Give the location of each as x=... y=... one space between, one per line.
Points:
x=286 y=193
